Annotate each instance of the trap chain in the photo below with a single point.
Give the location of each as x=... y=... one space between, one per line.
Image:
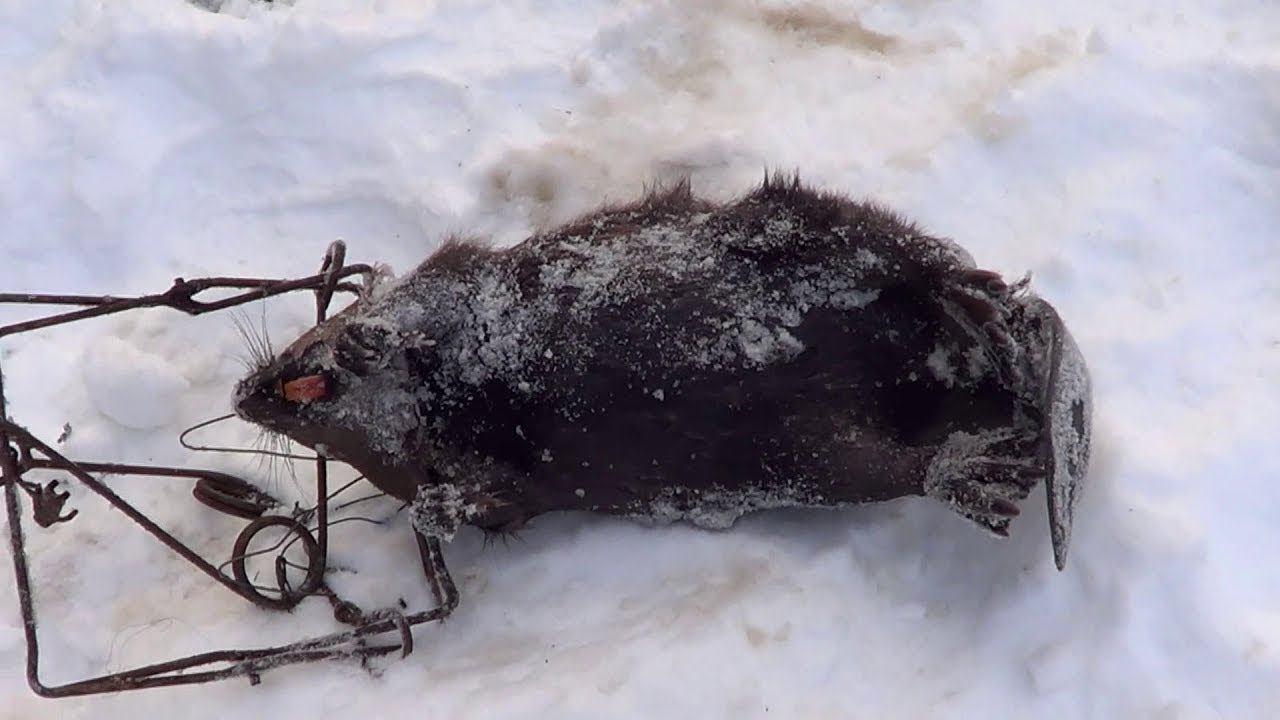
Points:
x=22 y=452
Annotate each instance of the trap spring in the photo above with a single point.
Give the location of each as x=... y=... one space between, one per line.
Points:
x=373 y=634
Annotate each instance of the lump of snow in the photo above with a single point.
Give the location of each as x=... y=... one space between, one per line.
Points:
x=940 y=363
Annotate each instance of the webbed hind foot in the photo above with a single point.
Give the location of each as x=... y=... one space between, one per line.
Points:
x=984 y=477
x=979 y=302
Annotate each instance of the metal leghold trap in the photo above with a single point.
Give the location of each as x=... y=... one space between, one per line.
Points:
x=373 y=634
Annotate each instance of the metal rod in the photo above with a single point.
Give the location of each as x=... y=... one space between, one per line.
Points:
x=330 y=270
x=143 y=470
x=180 y=297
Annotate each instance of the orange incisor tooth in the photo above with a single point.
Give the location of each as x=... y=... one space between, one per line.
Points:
x=309 y=387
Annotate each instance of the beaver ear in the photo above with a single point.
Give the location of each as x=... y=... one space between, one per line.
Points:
x=1068 y=407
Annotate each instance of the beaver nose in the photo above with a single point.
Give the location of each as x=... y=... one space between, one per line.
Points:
x=251 y=401
x=241 y=403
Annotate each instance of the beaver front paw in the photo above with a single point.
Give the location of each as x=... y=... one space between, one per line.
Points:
x=439 y=510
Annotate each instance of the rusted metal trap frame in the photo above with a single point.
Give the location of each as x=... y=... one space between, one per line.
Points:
x=21 y=452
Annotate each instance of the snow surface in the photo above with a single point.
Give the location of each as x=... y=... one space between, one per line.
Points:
x=1125 y=153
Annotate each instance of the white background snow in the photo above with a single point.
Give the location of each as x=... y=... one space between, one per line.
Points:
x=1128 y=154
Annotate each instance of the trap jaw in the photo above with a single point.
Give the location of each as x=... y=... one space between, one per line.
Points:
x=22 y=452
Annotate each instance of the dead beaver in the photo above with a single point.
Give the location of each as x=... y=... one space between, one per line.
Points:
x=682 y=359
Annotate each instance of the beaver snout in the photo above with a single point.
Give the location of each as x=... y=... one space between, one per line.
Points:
x=253 y=402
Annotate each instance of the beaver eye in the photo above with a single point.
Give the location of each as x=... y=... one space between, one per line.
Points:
x=303 y=389
x=359 y=347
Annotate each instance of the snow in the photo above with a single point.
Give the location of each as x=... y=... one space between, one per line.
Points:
x=117 y=372
x=1125 y=154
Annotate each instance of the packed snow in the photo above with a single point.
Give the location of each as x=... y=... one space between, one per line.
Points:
x=1125 y=154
